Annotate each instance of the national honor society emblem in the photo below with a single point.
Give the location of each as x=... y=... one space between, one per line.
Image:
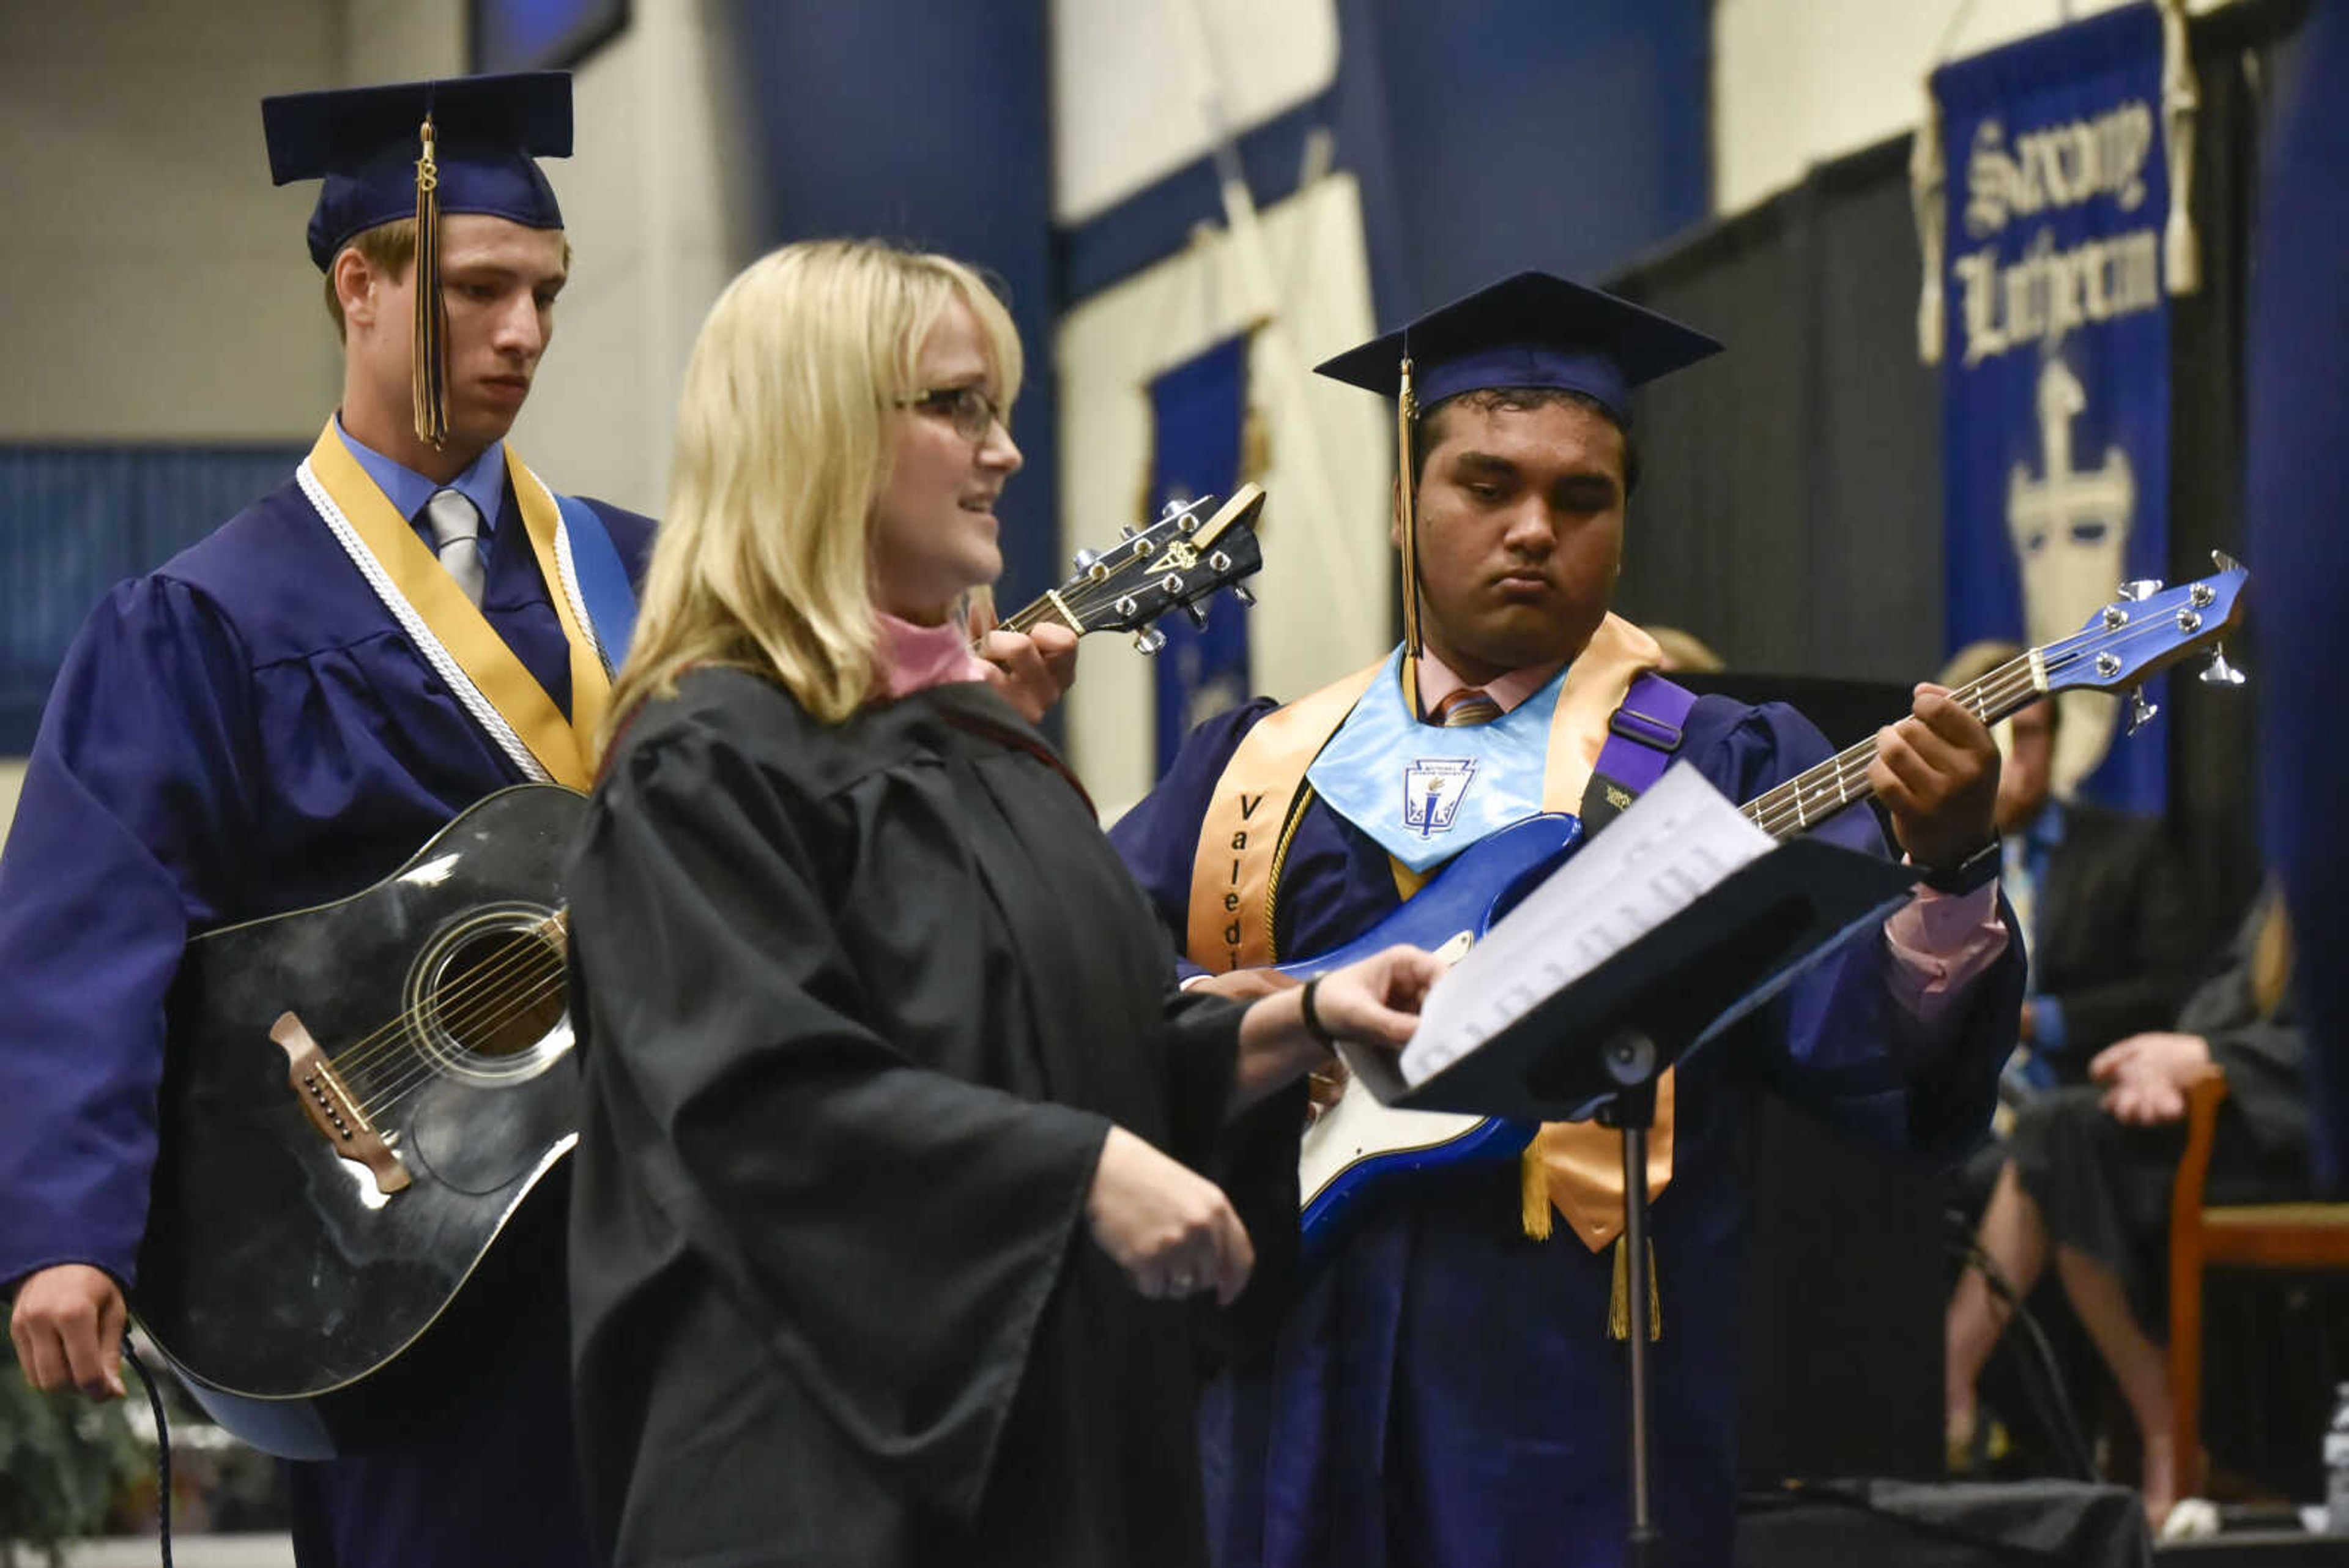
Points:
x=1432 y=788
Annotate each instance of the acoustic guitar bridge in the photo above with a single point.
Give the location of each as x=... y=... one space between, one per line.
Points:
x=331 y=1107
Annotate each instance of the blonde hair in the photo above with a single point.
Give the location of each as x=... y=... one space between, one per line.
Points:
x=762 y=561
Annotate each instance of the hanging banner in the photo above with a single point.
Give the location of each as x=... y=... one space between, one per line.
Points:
x=1199 y=412
x=2056 y=357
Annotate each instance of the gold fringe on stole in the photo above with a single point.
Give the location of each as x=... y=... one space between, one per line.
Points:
x=1534 y=1207
x=426 y=380
x=1618 y=1299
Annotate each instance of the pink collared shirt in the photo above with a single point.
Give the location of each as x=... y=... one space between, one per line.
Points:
x=916 y=658
x=1940 y=942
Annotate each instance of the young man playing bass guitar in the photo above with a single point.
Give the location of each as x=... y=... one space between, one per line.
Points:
x=1446 y=1390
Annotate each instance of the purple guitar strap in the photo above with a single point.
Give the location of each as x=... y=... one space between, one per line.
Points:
x=1640 y=740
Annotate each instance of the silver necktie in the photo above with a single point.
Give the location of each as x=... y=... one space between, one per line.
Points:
x=457 y=538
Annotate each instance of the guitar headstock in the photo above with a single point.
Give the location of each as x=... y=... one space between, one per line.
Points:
x=1176 y=562
x=2148 y=628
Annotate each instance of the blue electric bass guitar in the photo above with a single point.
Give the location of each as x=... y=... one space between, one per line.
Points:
x=1358 y=1152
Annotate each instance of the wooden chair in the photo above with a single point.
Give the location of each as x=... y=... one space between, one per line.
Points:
x=2301 y=1236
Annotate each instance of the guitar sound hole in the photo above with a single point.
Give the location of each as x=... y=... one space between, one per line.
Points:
x=499 y=993
x=490 y=995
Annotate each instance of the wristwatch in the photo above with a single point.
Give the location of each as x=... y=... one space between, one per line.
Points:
x=1978 y=869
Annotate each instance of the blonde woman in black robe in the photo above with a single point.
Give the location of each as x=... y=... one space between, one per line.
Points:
x=884 y=1246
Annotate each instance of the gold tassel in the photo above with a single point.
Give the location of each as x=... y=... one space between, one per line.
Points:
x=426 y=374
x=1406 y=411
x=1618 y=1301
x=1533 y=1192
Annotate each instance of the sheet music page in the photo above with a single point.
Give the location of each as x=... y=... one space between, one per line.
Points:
x=1673 y=846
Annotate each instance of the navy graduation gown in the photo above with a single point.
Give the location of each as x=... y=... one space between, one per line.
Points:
x=1443 y=1392
x=243 y=732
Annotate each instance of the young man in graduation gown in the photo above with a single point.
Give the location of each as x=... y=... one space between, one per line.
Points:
x=279 y=716
x=1446 y=1389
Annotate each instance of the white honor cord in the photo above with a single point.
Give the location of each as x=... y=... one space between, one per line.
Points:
x=567 y=570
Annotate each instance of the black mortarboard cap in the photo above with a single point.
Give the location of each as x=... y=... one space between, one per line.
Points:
x=363 y=143
x=1530 y=330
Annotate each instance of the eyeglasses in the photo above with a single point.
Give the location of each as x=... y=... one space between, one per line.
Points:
x=971 y=411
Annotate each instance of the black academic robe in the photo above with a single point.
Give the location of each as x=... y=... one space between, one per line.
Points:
x=861 y=1003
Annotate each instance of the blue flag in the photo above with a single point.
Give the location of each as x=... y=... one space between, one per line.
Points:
x=1199 y=418
x=2055 y=380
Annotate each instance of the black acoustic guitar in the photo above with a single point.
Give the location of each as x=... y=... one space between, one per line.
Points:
x=358 y=1097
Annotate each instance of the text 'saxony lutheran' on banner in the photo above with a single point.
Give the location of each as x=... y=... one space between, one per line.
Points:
x=2055 y=267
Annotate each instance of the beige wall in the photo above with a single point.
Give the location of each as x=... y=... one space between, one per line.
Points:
x=655 y=227
x=657 y=215
x=152 y=282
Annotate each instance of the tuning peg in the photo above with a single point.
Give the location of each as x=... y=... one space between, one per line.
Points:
x=2142 y=589
x=2221 y=672
x=1149 y=640
x=2224 y=562
x=1198 y=614
x=1239 y=592
x=1127 y=531
x=1083 y=560
x=2141 y=712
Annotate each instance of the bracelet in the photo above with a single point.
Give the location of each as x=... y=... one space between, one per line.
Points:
x=1978 y=869
x=1313 y=1024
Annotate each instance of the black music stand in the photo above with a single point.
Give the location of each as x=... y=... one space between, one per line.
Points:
x=1596 y=1046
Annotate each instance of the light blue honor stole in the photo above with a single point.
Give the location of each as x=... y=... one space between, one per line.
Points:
x=1423 y=793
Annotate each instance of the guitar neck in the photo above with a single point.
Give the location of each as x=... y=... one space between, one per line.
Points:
x=1816 y=793
x=1036 y=613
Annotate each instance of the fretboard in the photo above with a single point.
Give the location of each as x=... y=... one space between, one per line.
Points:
x=1814 y=796
x=1050 y=608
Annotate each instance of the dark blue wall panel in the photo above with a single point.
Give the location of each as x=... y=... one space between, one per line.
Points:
x=926 y=122
x=1487 y=136
x=76 y=520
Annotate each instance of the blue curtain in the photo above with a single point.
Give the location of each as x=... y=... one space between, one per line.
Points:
x=1199 y=415
x=74 y=520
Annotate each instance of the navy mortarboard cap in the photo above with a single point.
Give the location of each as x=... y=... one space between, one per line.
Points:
x=1530 y=330
x=418 y=150
x=363 y=143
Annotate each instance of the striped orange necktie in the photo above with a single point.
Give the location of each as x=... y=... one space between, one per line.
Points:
x=1469 y=705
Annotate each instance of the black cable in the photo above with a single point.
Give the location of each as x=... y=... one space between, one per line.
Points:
x=2049 y=1401
x=162 y=1446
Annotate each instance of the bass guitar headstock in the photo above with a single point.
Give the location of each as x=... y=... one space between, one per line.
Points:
x=2148 y=628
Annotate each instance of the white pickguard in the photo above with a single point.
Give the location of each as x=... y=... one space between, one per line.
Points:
x=1358 y=1127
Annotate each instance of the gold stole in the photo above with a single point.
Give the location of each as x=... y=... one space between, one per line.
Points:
x=1575 y=1167
x=563 y=747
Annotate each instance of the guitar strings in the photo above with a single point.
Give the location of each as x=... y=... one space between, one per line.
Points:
x=1796 y=802
x=420 y=1069
x=423 y=1071
x=491 y=972
x=467 y=1005
x=356 y=1061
